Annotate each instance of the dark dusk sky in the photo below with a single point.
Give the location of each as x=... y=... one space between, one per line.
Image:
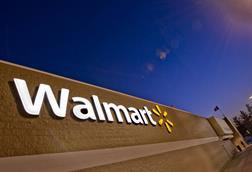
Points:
x=192 y=54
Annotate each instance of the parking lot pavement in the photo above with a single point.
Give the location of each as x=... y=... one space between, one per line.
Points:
x=242 y=162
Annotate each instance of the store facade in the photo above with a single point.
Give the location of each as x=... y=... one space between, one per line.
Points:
x=52 y=123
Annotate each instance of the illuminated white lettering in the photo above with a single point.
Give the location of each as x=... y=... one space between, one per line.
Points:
x=78 y=110
x=117 y=109
x=135 y=116
x=149 y=116
x=83 y=108
x=34 y=108
x=98 y=108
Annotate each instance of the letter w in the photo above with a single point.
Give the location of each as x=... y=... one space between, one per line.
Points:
x=34 y=108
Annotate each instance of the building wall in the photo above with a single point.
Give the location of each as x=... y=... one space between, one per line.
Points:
x=207 y=157
x=238 y=139
x=22 y=134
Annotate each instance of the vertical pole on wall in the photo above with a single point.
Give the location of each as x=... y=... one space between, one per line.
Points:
x=222 y=113
x=218 y=109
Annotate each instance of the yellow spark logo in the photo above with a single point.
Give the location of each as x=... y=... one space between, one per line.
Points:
x=162 y=118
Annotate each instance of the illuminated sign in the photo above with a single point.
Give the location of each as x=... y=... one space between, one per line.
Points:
x=85 y=109
x=163 y=118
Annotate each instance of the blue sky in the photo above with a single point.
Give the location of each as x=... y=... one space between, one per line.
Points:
x=189 y=54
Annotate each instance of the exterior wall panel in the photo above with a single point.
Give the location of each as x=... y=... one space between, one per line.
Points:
x=22 y=134
x=208 y=158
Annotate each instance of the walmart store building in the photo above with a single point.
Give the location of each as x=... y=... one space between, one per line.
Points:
x=52 y=123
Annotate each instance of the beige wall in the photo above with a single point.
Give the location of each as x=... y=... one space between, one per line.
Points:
x=238 y=139
x=221 y=128
x=205 y=158
x=21 y=134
